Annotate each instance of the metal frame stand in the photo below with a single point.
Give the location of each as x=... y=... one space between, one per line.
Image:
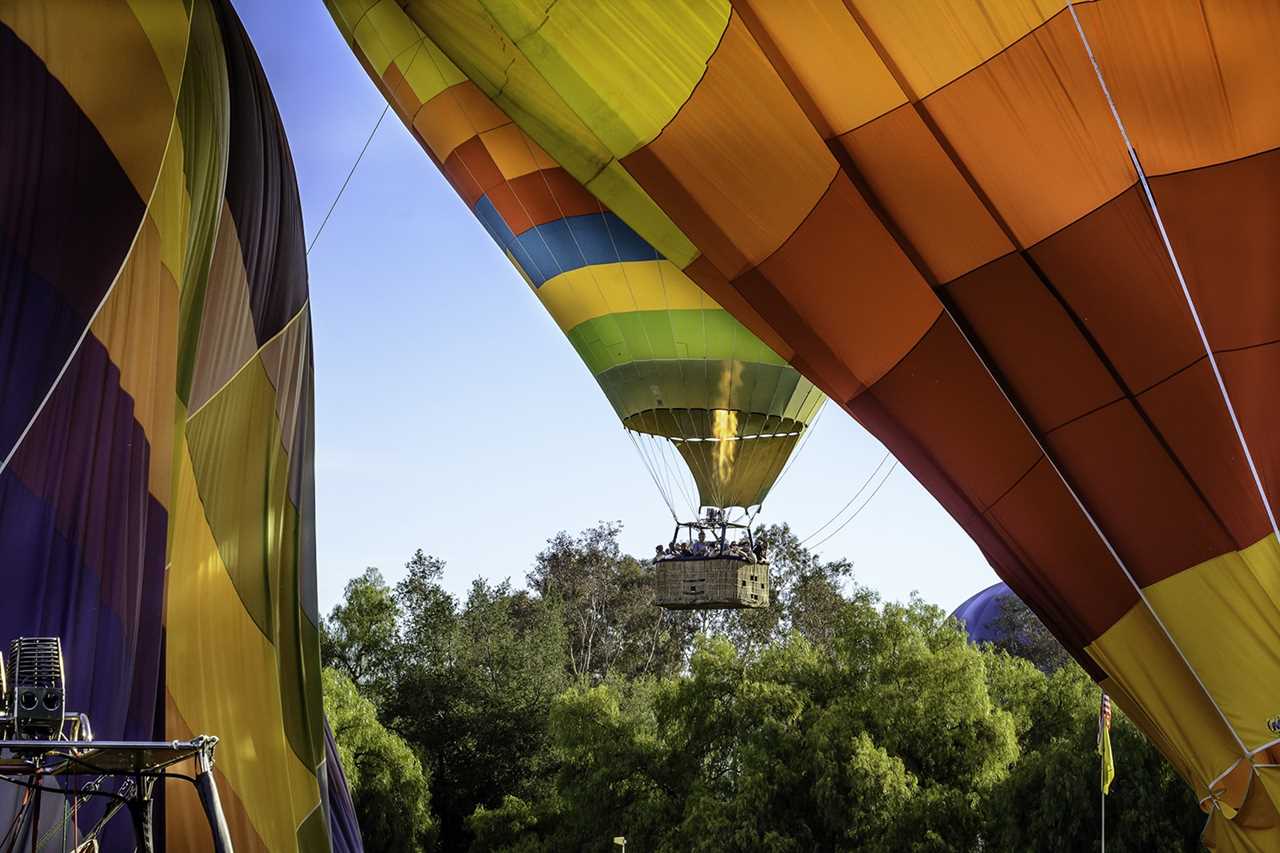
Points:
x=139 y=764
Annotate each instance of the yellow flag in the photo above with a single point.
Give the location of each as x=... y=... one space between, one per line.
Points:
x=1104 y=744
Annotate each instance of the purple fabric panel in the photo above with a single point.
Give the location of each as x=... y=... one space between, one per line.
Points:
x=68 y=214
x=84 y=545
x=980 y=612
x=37 y=333
x=344 y=829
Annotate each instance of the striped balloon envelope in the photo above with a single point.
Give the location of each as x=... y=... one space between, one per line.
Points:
x=688 y=381
x=1029 y=244
x=156 y=437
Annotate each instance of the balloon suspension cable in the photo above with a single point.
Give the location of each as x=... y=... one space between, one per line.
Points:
x=861 y=489
x=859 y=510
x=350 y=172
x=653 y=473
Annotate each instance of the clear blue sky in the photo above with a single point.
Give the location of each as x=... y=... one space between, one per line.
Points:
x=451 y=413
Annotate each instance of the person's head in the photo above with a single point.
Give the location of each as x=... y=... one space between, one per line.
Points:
x=702 y=535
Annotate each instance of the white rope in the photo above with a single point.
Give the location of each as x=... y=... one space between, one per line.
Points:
x=1177 y=270
x=861 y=489
x=859 y=510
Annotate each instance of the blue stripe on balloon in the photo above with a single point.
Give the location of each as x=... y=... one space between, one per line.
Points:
x=555 y=247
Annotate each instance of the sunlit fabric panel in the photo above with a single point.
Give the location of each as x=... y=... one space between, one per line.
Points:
x=671 y=360
x=932 y=210
x=156 y=440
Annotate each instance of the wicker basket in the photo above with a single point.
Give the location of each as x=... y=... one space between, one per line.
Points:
x=714 y=584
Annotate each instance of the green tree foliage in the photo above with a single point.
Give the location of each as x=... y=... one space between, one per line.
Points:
x=388 y=785
x=361 y=636
x=1021 y=633
x=1050 y=800
x=607 y=603
x=558 y=716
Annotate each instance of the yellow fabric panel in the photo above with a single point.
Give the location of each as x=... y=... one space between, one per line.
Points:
x=286 y=360
x=1138 y=657
x=620 y=193
x=514 y=153
x=832 y=59
x=384 y=33
x=167 y=25
x=131 y=106
x=1225 y=609
x=227 y=337
x=185 y=825
x=464 y=31
x=1195 y=83
x=138 y=325
x=588 y=292
x=754 y=166
x=223 y=676
x=623 y=67
x=932 y=42
x=1250 y=830
x=427 y=71
x=348 y=13
x=170 y=206
x=1268 y=778
x=1152 y=731
x=1034 y=129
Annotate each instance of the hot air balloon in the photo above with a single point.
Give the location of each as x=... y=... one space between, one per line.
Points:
x=1029 y=244
x=695 y=389
x=980 y=613
x=156 y=489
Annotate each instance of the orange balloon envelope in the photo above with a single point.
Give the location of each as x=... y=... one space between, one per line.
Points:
x=1048 y=285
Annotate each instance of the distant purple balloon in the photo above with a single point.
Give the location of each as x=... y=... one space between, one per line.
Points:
x=980 y=612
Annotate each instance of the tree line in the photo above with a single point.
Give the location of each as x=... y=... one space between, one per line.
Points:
x=562 y=713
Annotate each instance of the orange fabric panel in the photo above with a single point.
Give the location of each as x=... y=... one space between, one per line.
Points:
x=1050 y=367
x=1136 y=494
x=454 y=116
x=1039 y=515
x=1195 y=82
x=1189 y=412
x=1033 y=127
x=813 y=357
x=400 y=93
x=1112 y=268
x=138 y=325
x=835 y=69
x=704 y=274
x=472 y=171
x=950 y=402
x=1251 y=379
x=541 y=197
x=514 y=152
x=744 y=171
x=1224 y=222
x=932 y=42
x=925 y=194
x=186 y=827
x=852 y=285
